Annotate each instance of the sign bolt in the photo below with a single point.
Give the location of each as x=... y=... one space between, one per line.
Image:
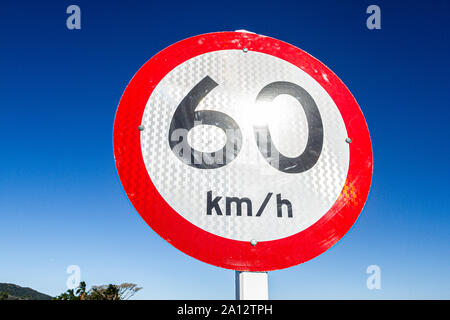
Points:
x=141 y=128
x=348 y=140
x=253 y=242
x=245 y=50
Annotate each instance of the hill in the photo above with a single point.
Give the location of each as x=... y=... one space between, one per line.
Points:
x=16 y=292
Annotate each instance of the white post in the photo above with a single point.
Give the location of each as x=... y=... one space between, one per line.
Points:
x=252 y=285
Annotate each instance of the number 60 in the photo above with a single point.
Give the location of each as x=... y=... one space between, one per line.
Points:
x=185 y=118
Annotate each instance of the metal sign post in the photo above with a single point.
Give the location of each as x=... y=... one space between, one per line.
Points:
x=252 y=285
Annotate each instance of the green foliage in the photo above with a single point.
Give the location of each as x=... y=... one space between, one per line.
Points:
x=123 y=291
x=4 y=295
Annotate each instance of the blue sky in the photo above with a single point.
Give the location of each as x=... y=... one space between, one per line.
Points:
x=61 y=201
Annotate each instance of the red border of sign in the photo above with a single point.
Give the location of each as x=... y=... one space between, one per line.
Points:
x=205 y=246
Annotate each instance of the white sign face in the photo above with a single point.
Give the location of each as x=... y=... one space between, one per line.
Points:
x=288 y=159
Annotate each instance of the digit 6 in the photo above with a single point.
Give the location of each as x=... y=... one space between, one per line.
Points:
x=185 y=118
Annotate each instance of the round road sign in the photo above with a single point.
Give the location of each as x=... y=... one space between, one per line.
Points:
x=243 y=151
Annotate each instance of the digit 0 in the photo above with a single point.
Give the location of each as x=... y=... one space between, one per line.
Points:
x=311 y=155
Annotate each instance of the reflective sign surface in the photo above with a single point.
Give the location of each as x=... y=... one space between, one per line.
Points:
x=251 y=193
x=243 y=151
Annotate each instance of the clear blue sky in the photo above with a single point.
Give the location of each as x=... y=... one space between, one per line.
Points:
x=61 y=202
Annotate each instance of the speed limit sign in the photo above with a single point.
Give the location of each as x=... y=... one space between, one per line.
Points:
x=243 y=151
